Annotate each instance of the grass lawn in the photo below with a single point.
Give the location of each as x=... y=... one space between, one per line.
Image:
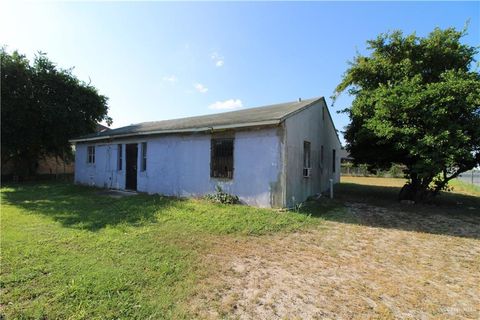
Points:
x=73 y=252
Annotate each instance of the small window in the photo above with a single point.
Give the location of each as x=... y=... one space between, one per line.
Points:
x=306 y=159
x=91 y=154
x=323 y=113
x=221 y=162
x=119 y=157
x=333 y=160
x=144 y=156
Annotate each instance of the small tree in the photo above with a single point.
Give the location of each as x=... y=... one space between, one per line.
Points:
x=416 y=103
x=42 y=107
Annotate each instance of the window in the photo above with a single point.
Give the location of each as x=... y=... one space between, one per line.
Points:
x=144 y=156
x=221 y=162
x=321 y=155
x=306 y=159
x=91 y=154
x=323 y=113
x=119 y=157
x=333 y=160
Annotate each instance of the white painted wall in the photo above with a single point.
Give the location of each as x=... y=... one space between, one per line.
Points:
x=268 y=162
x=179 y=165
x=103 y=173
x=317 y=128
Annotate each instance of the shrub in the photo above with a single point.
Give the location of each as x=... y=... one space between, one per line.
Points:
x=222 y=197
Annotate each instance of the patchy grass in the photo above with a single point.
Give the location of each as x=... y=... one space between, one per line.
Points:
x=72 y=252
x=75 y=252
x=374 y=258
x=465 y=188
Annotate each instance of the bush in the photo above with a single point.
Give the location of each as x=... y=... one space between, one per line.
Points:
x=222 y=197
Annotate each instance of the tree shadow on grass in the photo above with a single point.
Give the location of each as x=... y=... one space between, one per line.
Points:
x=450 y=214
x=83 y=207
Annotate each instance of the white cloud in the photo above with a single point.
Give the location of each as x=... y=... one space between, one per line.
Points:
x=227 y=104
x=171 y=79
x=200 y=87
x=218 y=59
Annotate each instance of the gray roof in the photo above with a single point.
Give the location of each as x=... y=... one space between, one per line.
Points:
x=267 y=115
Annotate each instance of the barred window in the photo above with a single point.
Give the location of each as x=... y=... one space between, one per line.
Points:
x=120 y=157
x=144 y=156
x=91 y=154
x=221 y=162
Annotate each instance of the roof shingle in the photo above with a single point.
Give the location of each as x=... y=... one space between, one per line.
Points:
x=265 y=115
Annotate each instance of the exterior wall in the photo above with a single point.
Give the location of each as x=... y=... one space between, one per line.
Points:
x=179 y=165
x=310 y=125
x=103 y=173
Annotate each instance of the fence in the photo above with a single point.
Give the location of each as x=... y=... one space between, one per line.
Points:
x=346 y=169
x=472 y=177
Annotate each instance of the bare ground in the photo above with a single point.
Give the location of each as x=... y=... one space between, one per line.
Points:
x=349 y=270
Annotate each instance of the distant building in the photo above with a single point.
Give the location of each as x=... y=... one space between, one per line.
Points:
x=273 y=156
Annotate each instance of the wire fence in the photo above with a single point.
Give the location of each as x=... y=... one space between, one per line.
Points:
x=396 y=171
x=472 y=177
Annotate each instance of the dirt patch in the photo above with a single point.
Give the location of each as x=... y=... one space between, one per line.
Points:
x=343 y=270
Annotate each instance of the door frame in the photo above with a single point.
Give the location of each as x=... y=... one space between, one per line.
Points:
x=131 y=166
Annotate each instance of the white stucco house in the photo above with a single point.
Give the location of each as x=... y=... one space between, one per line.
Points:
x=272 y=156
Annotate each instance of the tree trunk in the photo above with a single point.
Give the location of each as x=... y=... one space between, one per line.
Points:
x=416 y=190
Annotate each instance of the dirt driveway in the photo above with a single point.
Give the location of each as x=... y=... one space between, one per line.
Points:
x=374 y=268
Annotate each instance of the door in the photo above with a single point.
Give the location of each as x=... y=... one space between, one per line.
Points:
x=131 y=166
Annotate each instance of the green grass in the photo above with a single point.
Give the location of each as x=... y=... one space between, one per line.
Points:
x=72 y=252
x=465 y=188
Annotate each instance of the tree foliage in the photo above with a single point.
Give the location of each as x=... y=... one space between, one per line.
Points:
x=42 y=107
x=416 y=102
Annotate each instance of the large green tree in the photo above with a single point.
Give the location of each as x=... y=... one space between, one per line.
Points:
x=416 y=102
x=42 y=107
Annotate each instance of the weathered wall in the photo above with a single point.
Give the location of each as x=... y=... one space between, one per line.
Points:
x=310 y=125
x=103 y=173
x=179 y=165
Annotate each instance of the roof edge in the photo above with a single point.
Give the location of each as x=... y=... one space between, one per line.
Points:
x=160 y=132
x=301 y=109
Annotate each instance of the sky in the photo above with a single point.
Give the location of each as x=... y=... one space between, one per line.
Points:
x=157 y=60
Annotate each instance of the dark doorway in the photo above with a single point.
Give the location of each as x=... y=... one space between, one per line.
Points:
x=131 y=166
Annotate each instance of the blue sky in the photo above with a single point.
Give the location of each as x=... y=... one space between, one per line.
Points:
x=166 y=60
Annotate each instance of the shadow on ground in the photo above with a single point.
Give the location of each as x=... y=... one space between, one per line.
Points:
x=450 y=214
x=84 y=207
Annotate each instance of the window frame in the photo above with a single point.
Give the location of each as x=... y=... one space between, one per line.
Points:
x=91 y=155
x=307 y=159
x=119 y=157
x=144 y=149
x=322 y=155
x=307 y=155
x=333 y=160
x=214 y=159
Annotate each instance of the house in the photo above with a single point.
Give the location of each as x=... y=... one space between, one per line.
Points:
x=272 y=156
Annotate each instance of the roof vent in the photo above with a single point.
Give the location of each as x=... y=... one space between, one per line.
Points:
x=299 y=99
